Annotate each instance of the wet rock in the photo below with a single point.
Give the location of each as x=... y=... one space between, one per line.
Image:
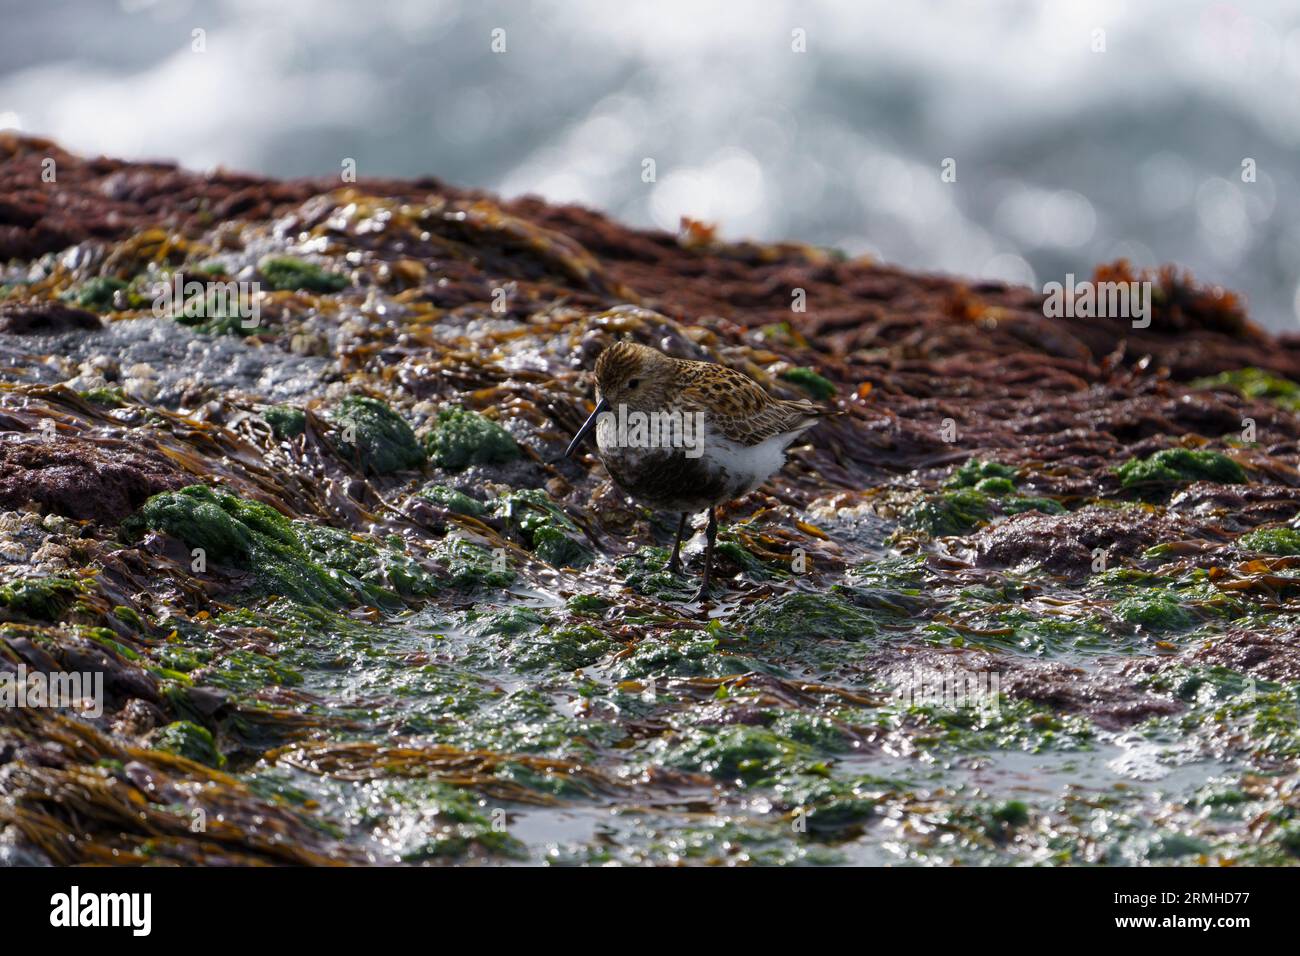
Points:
x=1109 y=698
x=1266 y=656
x=137 y=717
x=1239 y=505
x=38 y=318
x=1064 y=544
x=101 y=480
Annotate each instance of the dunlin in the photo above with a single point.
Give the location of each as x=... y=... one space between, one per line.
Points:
x=688 y=436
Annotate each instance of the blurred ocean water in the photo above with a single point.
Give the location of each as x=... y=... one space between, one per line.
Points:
x=1081 y=131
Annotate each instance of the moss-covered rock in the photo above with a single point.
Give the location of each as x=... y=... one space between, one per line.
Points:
x=187 y=739
x=1280 y=541
x=309 y=563
x=284 y=273
x=546 y=529
x=975 y=471
x=1181 y=465
x=375 y=437
x=804 y=616
x=454 y=501
x=285 y=420
x=99 y=293
x=949 y=512
x=39 y=599
x=460 y=438
x=1256 y=383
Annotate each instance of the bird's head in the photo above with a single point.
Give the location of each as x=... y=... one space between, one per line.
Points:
x=635 y=376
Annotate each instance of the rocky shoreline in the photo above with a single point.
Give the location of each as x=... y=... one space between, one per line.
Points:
x=350 y=603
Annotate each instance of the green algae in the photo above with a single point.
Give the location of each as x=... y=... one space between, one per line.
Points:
x=996 y=487
x=286 y=274
x=948 y=513
x=588 y=604
x=312 y=564
x=40 y=599
x=818 y=386
x=731 y=549
x=830 y=809
x=997 y=619
x=907 y=574
x=976 y=490
x=105 y=637
x=1256 y=383
x=1000 y=724
x=454 y=501
x=1180 y=465
x=526 y=640
x=792 y=619
x=1015 y=504
x=646 y=572
x=186 y=739
x=746 y=753
x=373 y=569
x=531 y=721
x=976 y=471
x=129 y=616
x=1155 y=610
x=1222 y=704
x=1280 y=541
x=680 y=653
x=456 y=826
x=286 y=421
x=374 y=437
x=460 y=438
x=470 y=566
x=108 y=397
x=99 y=293
x=217 y=312
x=242 y=670
x=546 y=530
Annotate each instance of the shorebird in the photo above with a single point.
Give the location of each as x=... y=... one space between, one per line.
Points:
x=688 y=436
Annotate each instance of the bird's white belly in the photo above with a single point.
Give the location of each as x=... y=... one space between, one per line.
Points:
x=748 y=465
x=676 y=479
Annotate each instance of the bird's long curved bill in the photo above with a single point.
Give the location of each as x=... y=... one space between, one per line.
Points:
x=601 y=407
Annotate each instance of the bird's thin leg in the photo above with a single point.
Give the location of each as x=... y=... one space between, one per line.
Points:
x=710 y=535
x=675 y=562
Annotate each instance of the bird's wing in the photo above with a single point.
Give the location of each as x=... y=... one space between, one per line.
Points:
x=740 y=409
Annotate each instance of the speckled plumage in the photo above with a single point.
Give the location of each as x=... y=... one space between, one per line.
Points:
x=732 y=402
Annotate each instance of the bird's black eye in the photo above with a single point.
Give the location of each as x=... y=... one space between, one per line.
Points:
x=633 y=382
